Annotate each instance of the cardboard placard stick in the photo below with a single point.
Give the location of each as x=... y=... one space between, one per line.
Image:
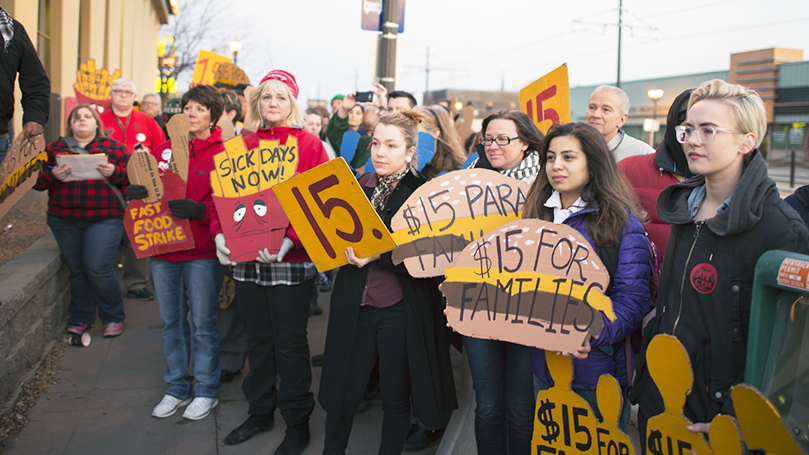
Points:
x=142 y=170
x=178 y=128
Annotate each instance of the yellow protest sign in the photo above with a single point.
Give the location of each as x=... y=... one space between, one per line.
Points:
x=441 y=217
x=206 y=66
x=94 y=83
x=761 y=423
x=24 y=159
x=529 y=282
x=252 y=218
x=547 y=100
x=670 y=369
x=330 y=212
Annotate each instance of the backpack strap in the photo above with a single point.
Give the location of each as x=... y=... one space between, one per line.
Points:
x=75 y=147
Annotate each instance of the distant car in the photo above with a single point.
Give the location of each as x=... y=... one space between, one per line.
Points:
x=371 y=6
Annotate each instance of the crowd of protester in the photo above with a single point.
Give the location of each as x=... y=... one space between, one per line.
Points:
x=703 y=197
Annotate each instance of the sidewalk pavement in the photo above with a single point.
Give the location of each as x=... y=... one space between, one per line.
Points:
x=104 y=400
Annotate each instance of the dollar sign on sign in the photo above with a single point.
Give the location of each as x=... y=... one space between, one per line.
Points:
x=545 y=416
x=655 y=442
x=413 y=223
x=482 y=256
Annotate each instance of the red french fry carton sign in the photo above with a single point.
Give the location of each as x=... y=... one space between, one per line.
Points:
x=148 y=222
x=252 y=218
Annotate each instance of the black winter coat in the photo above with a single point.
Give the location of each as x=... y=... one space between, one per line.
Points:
x=21 y=57
x=705 y=294
x=432 y=383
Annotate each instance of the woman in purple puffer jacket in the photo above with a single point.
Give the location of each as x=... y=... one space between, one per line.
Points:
x=579 y=185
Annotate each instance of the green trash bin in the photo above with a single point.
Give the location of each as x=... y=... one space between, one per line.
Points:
x=778 y=343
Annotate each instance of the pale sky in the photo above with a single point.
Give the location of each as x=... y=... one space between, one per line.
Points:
x=479 y=44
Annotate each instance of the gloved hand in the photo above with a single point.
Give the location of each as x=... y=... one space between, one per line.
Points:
x=186 y=208
x=136 y=192
x=265 y=257
x=222 y=252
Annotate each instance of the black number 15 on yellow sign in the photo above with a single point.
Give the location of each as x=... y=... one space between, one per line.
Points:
x=330 y=212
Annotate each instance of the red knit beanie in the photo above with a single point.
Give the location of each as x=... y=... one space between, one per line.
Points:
x=284 y=77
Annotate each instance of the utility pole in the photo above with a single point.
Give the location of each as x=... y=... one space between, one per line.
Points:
x=427 y=78
x=387 y=44
x=620 y=28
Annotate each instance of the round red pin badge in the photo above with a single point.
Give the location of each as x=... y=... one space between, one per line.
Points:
x=703 y=278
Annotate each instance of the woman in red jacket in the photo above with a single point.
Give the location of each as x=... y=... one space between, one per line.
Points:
x=190 y=280
x=273 y=293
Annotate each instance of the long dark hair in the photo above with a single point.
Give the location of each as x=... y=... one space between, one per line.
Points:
x=606 y=189
x=526 y=129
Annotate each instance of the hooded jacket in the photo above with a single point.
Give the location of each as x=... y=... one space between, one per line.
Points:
x=198 y=189
x=630 y=301
x=19 y=55
x=707 y=281
x=650 y=174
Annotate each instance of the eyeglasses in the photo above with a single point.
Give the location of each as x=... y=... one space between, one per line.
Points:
x=705 y=134
x=502 y=141
x=123 y=92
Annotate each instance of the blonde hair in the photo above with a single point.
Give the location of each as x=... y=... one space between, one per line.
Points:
x=449 y=153
x=745 y=104
x=253 y=116
x=407 y=120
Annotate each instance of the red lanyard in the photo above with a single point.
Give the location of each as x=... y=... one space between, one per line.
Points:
x=124 y=128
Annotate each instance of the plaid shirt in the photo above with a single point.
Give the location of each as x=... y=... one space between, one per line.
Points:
x=87 y=200
x=289 y=273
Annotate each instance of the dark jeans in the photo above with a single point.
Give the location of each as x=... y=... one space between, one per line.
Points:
x=503 y=383
x=88 y=249
x=275 y=319
x=380 y=334
x=3 y=147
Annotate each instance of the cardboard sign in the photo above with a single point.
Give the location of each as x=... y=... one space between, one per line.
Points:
x=206 y=66
x=529 y=282
x=93 y=85
x=330 y=212
x=178 y=128
x=670 y=368
x=794 y=273
x=230 y=74
x=760 y=423
x=441 y=217
x=24 y=159
x=251 y=217
x=228 y=128
x=565 y=423
x=547 y=100
x=142 y=170
x=151 y=228
x=464 y=124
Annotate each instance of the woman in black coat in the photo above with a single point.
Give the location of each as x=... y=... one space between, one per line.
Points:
x=379 y=311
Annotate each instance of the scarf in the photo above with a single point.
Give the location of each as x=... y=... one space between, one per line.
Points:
x=526 y=171
x=6 y=28
x=384 y=187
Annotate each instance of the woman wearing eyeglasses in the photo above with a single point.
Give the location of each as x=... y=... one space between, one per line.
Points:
x=501 y=373
x=722 y=220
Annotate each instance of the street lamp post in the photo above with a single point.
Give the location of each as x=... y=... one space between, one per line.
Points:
x=235 y=47
x=655 y=94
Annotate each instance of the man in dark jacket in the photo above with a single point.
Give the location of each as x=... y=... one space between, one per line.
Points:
x=19 y=55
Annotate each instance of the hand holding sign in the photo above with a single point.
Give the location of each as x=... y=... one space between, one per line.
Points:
x=330 y=213
x=24 y=159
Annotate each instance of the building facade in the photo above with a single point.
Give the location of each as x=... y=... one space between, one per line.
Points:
x=117 y=34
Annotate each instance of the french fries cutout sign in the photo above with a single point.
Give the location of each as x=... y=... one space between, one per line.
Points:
x=252 y=218
x=148 y=222
x=529 y=282
x=441 y=217
x=93 y=86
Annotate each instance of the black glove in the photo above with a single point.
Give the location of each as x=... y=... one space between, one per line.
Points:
x=136 y=192
x=186 y=208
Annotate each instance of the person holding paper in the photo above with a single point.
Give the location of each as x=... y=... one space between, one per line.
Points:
x=273 y=293
x=86 y=218
x=380 y=312
x=189 y=281
x=580 y=186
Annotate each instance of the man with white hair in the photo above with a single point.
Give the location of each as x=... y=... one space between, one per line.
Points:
x=607 y=111
x=139 y=132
